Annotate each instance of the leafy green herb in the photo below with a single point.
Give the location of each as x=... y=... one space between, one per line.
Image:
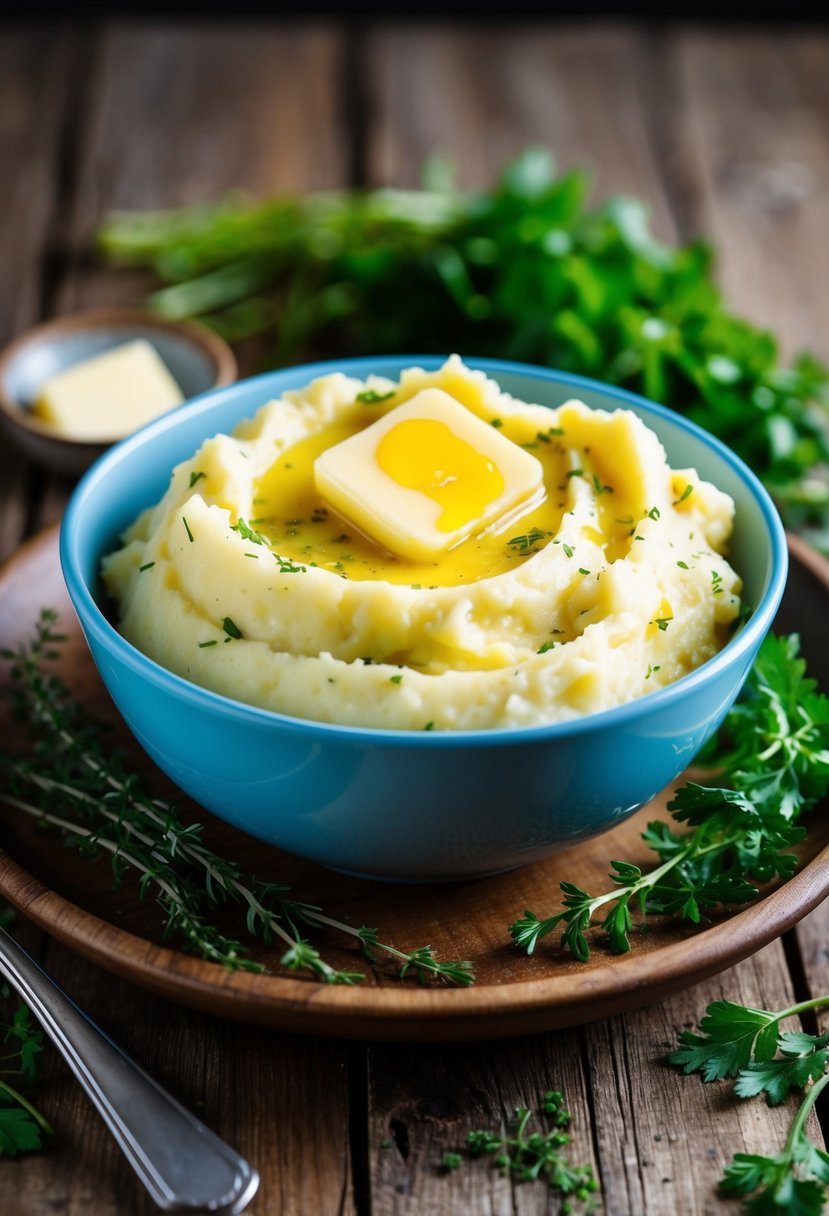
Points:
x=737 y=1041
x=497 y=423
x=661 y=622
x=775 y=746
x=146 y=566
x=286 y=566
x=568 y=550
x=654 y=513
x=395 y=679
x=544 y=647
x=231 y=628
x=73 y=782
x=22 y=1126
x=190 y=536
x=196 y=476
x=247 y=533
x=370 y=396
x=204 y=645
x=524 y=271
x=528 y=540
x=686 y=493
x=525 y=1155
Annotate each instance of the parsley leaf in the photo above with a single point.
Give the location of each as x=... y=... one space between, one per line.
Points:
x=774 y=744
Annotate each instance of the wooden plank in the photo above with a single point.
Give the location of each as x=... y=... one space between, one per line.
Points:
x=184 y=114
x=482 y=94
x=665 y=1139
x=36 y=69
x=263 y=1093
x=423 y=1101
x=751 y=146
x=813 y=943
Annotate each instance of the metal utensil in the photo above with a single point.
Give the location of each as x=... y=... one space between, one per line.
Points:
x=183 y=1165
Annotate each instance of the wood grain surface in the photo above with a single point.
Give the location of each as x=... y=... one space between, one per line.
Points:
x=721 y=131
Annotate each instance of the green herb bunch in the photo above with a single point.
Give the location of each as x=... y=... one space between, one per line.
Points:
x=526 y=271
x=736 y=1041
x=74 y=782
x=526 y=1155
x=774 y=745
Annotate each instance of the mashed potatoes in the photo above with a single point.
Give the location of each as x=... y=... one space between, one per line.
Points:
x=613 y=584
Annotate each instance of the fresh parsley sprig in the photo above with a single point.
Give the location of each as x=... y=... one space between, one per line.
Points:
x=22 y=1126
x=526 y=1155
x=774 y=745
x=73 y=782
x=527 y=270
x=748 y=1044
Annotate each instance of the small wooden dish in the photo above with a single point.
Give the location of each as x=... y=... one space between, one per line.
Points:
x=197 y=358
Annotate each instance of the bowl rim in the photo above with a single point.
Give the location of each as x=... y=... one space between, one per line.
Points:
x=92 y=319
x=95 y=622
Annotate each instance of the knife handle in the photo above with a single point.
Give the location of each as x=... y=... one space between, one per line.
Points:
x=184 y=1166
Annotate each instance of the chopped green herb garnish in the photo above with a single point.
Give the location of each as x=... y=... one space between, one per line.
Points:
x=429 y=726
x=204 y=645
x=575 y=473
x=370 y=396
x=686 y=493
x=661 y=622
x=146 y=566
x=526 y=542
x=496 y=422
x=525 y=1155
x=683 y=565
x=583 y=571
x=395 y=679
x=231 y=628
x=568 y=549
x=651 y=670
x=190 y=536
x=196 y=476
x=247 y=533
x=654 y=513
x=286 y=566
x=544 y=647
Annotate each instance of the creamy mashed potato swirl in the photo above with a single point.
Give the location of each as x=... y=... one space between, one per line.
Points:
x=616 y=585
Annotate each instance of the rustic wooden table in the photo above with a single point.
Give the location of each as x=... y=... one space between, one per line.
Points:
x=724 y=132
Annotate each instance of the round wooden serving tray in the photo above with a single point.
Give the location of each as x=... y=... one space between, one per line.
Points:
x=72 y=897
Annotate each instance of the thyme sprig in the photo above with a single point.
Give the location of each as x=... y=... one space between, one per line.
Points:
x=72 y=782
x=775 y=747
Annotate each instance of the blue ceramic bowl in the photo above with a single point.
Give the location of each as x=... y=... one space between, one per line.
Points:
x=411 y=805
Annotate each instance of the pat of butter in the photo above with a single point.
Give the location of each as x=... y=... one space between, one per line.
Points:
x=109 y=395
x=426 y=476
